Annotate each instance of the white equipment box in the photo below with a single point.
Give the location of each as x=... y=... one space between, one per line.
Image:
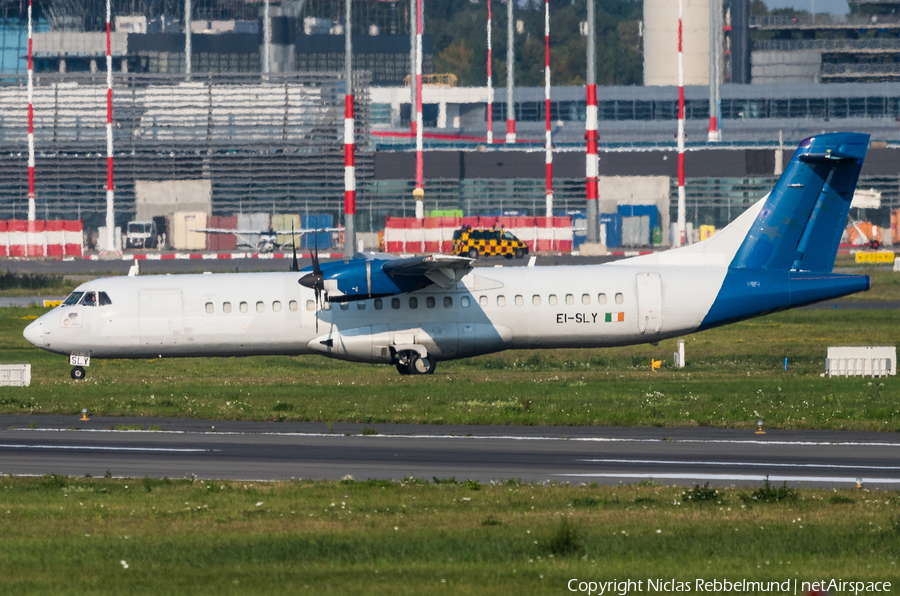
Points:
x=15 y=375
x=867 y=361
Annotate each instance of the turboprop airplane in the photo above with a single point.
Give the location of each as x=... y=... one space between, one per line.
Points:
x=414 y=312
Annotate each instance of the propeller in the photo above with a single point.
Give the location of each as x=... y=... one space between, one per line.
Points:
x=315 y=280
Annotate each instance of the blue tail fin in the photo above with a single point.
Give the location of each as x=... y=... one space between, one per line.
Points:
x=800 y=225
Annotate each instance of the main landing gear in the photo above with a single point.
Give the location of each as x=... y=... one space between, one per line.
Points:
x=411 y=363
x=78 y=373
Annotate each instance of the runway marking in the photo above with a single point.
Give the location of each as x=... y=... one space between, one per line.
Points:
x=754 y=477
x=488 y=437
x=731 y=463
x=98 y=448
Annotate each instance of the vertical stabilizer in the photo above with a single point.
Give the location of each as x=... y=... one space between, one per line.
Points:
x=800 y=225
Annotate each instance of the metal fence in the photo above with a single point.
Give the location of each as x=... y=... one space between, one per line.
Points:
x=265 y=142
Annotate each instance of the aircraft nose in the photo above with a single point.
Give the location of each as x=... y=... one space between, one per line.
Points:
x=34 y=333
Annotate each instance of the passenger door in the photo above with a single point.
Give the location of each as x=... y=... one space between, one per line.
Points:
x=649 y=297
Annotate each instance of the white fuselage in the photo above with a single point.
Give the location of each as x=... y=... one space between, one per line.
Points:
x=490 y=310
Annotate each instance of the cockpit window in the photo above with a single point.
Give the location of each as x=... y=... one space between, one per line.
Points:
x=89 y=299
x=104 y=299
x=73 y=298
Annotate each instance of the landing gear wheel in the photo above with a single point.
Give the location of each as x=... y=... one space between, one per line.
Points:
x=421 y=366
x=403 y=369
x=473 y=253
x=520 y=253
x=78 y=373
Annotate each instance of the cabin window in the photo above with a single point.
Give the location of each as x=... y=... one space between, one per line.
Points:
x=73 y=298
x=536 y=300
x=104 y=299
x=413 y=302
x=520 y=301
x=395 y=303
x=483 y=301
x=429 y=302
x=379 y=303
x=310 y=305
x=585 y=298
x=448 y=302
x=501 y=300
x=570 y=299
x=361 y=305
x=89 y=299
x=601 y=298
x=551 y=299
x=244 y=307
x=294 y=306
x=464 y=301
x=345 y=305
x=260 y=306
x=210 y=309
x=226 y=307
x=276 y=306
x=620 y=298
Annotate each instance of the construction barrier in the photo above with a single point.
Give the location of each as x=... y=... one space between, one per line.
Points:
x=41 y=238
x=435 y=234
x=875 y=257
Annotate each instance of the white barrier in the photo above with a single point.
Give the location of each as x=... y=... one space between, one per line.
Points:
x=849 y=361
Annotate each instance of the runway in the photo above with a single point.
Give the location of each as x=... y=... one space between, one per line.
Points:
x=277 y=451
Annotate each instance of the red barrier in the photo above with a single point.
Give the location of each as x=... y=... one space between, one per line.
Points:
x=18 y=233
x=4 y=239
x=55 y=235
x=73 y=238
x=35 y=244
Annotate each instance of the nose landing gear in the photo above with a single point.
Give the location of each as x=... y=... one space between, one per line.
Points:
x=78 y=373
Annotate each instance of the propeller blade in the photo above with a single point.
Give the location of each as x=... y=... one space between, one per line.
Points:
x=295 y=266
x=315 y=259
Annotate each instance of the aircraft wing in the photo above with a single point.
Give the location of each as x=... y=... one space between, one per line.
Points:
x=370 y=275
x=442 y=270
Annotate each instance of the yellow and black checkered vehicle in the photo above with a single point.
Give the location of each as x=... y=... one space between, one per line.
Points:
x=476 y=243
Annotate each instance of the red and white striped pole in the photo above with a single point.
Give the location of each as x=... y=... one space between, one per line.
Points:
x=510 y=75
x=548 y=150
x=592 y=166
x=31 y=206
x=490 y=83
x=419 y=192
x=349 y=157
x=110 y=217
x=680 y=231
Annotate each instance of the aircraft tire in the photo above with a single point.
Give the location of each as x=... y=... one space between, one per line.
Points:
x=421 y=366
x=402 y=369
x=78 y=373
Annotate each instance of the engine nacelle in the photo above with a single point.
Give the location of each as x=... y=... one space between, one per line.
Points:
x=359 y=279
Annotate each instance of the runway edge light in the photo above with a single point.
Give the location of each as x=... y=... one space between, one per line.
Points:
x=84 y=417
x=759 y=427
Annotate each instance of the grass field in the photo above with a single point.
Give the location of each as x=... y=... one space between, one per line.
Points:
x=77 y=535
x=734 y=375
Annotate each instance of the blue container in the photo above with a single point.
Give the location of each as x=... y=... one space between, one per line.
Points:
x=613 y=223
x=640 y=210
x=319 y=240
